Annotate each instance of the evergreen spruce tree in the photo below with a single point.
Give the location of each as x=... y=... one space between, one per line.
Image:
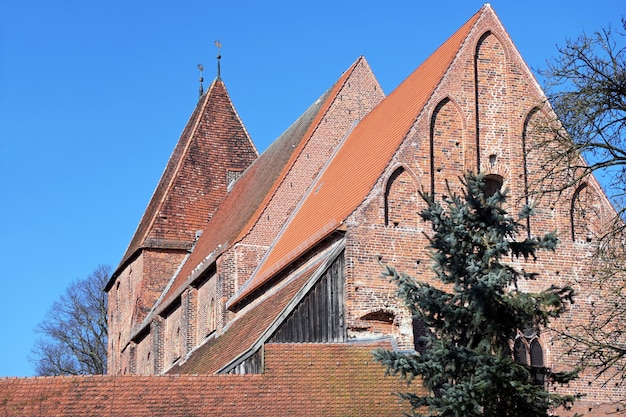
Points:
x=475 y=311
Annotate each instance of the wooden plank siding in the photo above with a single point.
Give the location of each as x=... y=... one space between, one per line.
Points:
x=251 y=365
x=320 y=316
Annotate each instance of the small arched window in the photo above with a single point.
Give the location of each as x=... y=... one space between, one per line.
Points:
x=401 y=200
x=380 y=321
x=519 y=351
x=536 y=361
x=528 y=351
x=493 y=184
x=586 y=214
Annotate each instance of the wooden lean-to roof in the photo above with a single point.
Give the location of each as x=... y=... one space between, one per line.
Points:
x=213 y=141
x=240 y=210
x=357 y=165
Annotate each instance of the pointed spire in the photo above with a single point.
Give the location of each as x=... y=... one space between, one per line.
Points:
x=201 y=68
x=218 y=44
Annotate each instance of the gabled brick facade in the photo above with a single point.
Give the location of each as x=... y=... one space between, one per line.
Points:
x=287 y=269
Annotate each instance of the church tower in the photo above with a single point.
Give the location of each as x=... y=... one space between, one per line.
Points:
x=212 y=152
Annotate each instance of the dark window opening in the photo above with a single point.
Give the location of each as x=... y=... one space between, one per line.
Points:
x=536 y=362
x=519 y=352
x=493 y=184
x=420 y=336
x=527 y=351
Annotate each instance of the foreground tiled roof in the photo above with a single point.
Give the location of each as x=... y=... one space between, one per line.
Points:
x=244 y=204
x=359 y=163
x=300 y=380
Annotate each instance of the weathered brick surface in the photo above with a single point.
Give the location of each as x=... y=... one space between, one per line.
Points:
x=358 y=95
x=213 y=147
x=479 y=118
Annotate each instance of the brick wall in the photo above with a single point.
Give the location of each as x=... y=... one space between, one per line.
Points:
x=480 y=116
x=135 y=291
x=483 y=116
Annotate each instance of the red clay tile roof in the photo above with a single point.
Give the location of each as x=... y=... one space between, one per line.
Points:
x=300 y=379
x=214 y=126
x=249 y=327
x=358 y=164
x=240 y=210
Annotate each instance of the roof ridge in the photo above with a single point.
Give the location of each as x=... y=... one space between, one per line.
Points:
x=333 y=91
x=201 y=129
x=308 y=191
x=185 y=151
x=324 y=102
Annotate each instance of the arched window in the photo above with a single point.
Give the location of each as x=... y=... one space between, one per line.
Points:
x=536 y=361
x=401 y=200
x=586 y=214
x=493 y=184
x=380 y=321
x=519 y=351
x=527 y=350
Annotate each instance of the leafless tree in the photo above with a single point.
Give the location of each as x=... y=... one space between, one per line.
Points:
x=73 y=335
x=586 y=84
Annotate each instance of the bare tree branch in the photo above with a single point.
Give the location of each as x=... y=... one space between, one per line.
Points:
x=73 y=335
x=586 y=86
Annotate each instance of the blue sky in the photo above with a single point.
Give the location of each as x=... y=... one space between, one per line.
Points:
x=94 y=95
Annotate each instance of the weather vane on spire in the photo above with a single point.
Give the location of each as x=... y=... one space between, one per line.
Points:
x=201 y=68
x=218 y=44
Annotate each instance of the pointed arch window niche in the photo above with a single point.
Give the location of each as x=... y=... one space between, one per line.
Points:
x=401 y=200
x=586 y=215
x=527 y=350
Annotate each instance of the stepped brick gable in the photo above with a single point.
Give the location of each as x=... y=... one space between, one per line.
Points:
x=275 y=307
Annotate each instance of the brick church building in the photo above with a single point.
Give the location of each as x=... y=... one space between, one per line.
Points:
x=252 y=285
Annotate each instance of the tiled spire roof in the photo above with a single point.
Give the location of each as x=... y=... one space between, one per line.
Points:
x=213 y=142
